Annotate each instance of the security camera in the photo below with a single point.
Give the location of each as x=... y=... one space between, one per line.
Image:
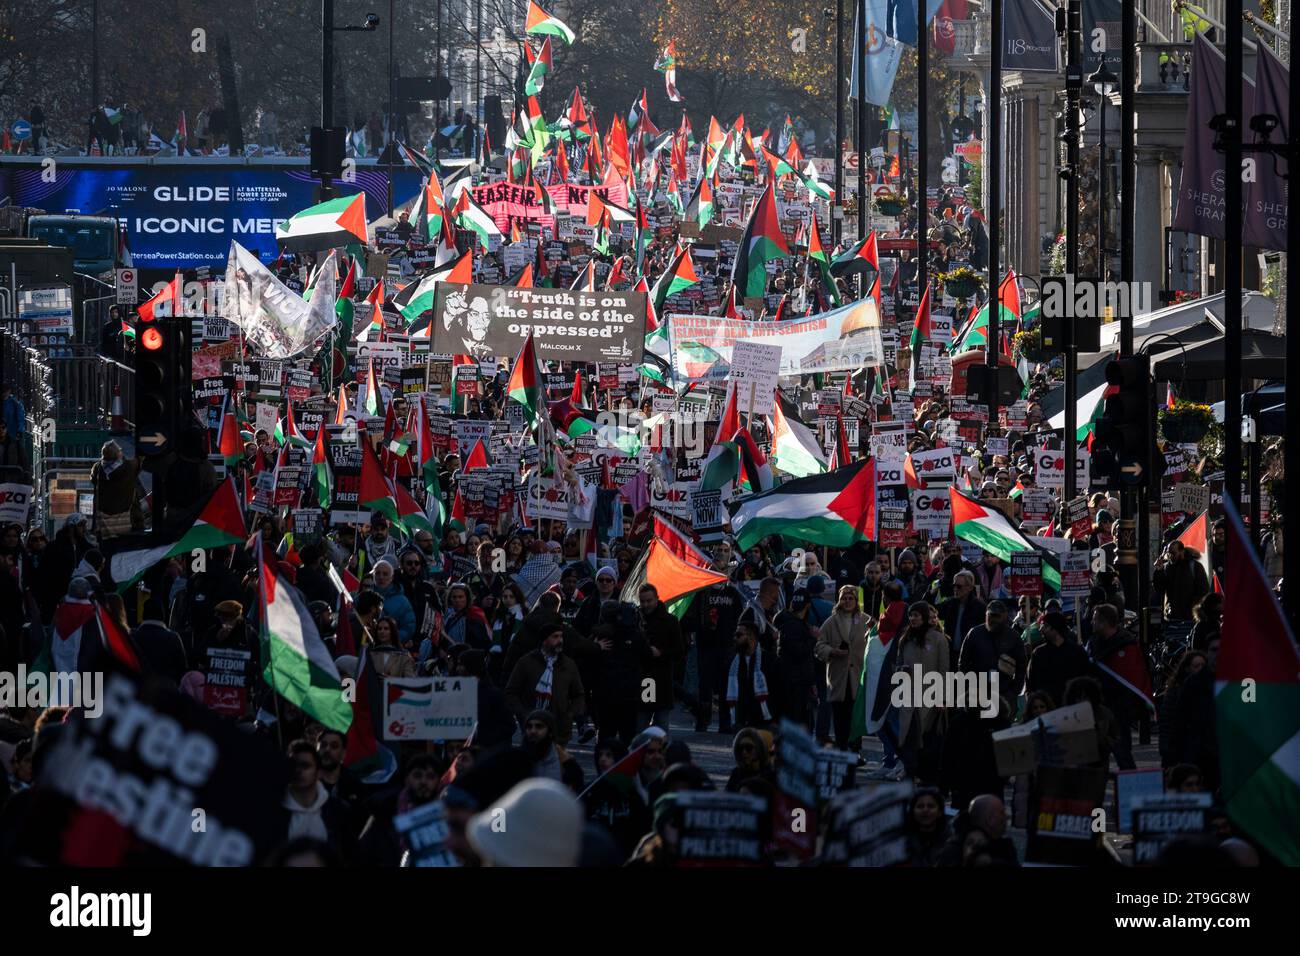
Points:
x=372 y=21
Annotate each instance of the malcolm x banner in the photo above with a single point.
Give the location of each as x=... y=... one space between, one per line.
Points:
x=568 y=325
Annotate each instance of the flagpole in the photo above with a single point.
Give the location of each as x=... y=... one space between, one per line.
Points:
x=837 y=222
x=861 y=131
x=993 y=348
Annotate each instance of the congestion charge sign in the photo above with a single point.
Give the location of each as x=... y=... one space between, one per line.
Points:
x=179 y=217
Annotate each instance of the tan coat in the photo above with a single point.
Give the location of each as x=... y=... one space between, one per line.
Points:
x=843 y=674
x=933 y=656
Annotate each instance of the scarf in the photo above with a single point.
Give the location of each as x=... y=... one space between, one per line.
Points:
x=543 y=691
x=760 y=683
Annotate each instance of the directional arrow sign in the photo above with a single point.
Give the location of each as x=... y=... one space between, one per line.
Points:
x=1132 y=472
x=157 y=439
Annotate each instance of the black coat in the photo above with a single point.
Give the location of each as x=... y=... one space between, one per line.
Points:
x=663 y=631
x=982 y=650
x=1052 y=667
x=796 y=649
x=971 y=617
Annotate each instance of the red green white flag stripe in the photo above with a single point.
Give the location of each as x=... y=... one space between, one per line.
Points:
x=525 y=386
x=541 y=23
x=338 y=222
x=1257 y=704
x=220 y=522
x=835 y=509
x=298 y=665
x=988 y=529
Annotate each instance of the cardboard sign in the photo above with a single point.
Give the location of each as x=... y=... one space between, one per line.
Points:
x=1158 y=820
x=1132 y=786
x=1062 y=737
x=935 y=465
x=1061 y=814
x=1078 y=517
x=707 y=514
x=226 y=680
x=1025 y=575
x=716 y=828
x=15 y=503
x=931 y=511
x=432 y=708
x=1191 y=499
x=155 y=755
x=425 y=831
x=1036 y=505
x=868 y=828
x=1049 y=469
x=755 y=369
x=796 y=790
x=891 y=530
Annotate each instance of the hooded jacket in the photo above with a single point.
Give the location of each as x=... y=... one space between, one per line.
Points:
x=398 y=607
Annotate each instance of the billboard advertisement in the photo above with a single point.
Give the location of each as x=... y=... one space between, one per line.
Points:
x=181 y=216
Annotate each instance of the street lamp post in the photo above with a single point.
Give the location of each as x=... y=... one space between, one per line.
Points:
x=994 y=212
x=837 y=222
x=1103 y=82
x=390 y=139
x=327 y=89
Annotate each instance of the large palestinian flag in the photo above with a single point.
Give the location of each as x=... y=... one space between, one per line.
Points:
x=836 y=509
x=1197 y=536
x=338 y=222
x=297 y=665
x=988 y=529
x=761 y=242
x=220 y=521
x=920 y=335
x=1257 y=704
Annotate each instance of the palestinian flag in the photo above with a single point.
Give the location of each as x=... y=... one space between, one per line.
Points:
x=298 y=667
x=814 y=185
x=525 y=385
x=871 y=706
x=417 y=298
x=988 y=529
x=376 y=494
x=217 y=522
x=410 y=515
x=860 y=257
x=817 y=254
x=795 y=450
x=1086 y=412
x=1257 y=704
x=920 y=335
x=430 y=208
x=976 y=332
x=172 y=295
x=621 y=776
x=761 y=242
x=677 y=278
x=338 y=222
x=671 y=576
x=368 y=756
x=469 y=215
x=370 y=404
x=837 y=508
x=230 y=443
x=539 y=67
x=700 y=208
x=1197 y=536
x=127 y=331
x=541 y=23
x=322 y=479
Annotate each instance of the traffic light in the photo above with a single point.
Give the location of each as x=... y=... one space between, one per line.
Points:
x=162 y=384
x=1124 y=450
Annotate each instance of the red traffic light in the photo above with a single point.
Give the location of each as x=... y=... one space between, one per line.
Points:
x=152 y=339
